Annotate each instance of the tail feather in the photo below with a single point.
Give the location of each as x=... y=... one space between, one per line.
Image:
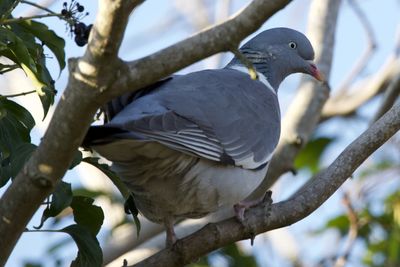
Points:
x=97 y=135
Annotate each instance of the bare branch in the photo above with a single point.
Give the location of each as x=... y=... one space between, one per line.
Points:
x=344 y=105
x=353 y=231
x=94 y=79
x=37 y=7
x=20 y=94
x=389 y=98
x=369 y=49
x=301 y=204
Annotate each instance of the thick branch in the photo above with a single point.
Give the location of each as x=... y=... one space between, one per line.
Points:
x=94 y=79
x=285 y=213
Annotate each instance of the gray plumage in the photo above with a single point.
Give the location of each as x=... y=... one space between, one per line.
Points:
x=191 y=144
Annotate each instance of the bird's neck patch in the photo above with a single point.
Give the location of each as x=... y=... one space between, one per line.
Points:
x=261 y=76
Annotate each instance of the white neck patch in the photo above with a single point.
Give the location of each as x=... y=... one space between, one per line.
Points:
x=261 y=76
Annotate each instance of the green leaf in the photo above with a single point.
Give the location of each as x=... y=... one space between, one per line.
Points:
x=16 y=124
x=309 y=156
x=82 y=191
x=23 y=50
x=340 y=223
x=237 y=257
x=130 y=208
x=89 y=251
x=116 y=181
x=19 y=156
x=86 y=214
x=18 y=50
x=6 y=7
x=49 y=38
x=76 y=160
x=107 y=171
x=60 y=199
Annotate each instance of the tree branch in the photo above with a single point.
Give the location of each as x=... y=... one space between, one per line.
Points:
x=369 y=49
x=352 y=234
x=94 y=79
x=347 y=104
x=389 y=98
x=302 y=203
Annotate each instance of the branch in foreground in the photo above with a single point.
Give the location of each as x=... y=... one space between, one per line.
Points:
x=94 y=79
x=302 y=203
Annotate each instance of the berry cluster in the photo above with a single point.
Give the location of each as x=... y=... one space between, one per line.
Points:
x=73 y=14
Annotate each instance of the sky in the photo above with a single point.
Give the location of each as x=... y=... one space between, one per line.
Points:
x=148 y=32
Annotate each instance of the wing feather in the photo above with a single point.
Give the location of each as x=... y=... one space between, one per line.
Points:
x=210 y=114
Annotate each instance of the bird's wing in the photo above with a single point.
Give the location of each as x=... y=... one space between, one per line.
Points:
x=221 y=115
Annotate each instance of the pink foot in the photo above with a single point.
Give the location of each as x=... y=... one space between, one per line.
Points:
x=171 y=236
x=244 y=205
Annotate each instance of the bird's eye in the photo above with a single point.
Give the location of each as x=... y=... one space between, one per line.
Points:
x=292 y=45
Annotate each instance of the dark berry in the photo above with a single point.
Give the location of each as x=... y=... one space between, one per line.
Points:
x=79 y=28
x=80 y=8
x=64 y=12
x=80 y=41
x=65 y=4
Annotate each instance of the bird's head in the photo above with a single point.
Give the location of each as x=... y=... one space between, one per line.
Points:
x=279 y=52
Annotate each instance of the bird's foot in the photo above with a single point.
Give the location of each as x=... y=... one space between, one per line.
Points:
x=244 y=205
x=170 y=232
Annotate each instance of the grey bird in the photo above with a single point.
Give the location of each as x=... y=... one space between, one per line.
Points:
x=191 y=144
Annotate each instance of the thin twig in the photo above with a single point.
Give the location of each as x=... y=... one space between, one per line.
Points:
x=16 y=20
x=246 y=62
x=353 y=231
x=8 y=68
x=20 y=94
x=389 y=98
x=369 y=50
x=38 y=6
x=41 y=230
x=347 y=104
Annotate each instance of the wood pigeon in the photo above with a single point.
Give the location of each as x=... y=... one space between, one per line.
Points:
x=191 y=144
